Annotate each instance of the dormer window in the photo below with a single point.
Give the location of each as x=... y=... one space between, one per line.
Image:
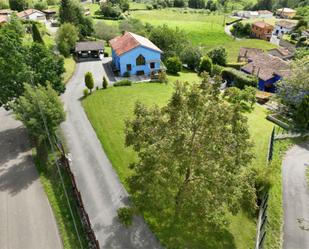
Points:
x=140 y=60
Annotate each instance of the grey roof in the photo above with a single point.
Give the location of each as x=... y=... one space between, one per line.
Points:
x=89 y=46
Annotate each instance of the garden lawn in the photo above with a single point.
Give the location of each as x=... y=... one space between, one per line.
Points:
x=202 y=29
x=69 y=66
x=108 y=109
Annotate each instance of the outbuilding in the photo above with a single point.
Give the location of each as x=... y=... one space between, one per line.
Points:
x=32 y=14
x=284 y=27
x=89 y=49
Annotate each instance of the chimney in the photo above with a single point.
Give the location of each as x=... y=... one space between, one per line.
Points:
x=246 y=53
x=253 y=69
x=258 y=73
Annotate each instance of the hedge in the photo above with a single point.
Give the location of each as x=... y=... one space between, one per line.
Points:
x=123 y=83
x=238 y=78
x=236 y=65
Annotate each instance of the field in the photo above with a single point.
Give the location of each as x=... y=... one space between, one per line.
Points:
x=202 y=30
x=108 y=123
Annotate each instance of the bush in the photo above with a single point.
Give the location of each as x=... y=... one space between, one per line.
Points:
x=236 y=65
x=301 y=115
x=240 y=30
x=104 y=83
x=36 y=34
x=173 y=65
x=106 y=54
x=85 y=92
x=89 y=82
x=40 y=5
x=238 y=78
x=216 y=70
x=191 y=56
x=109 y=10
x=123 y=83
x=125 y=216
x=66 y=37
x=162 y=77
x=149 y=7
x=179 y=3
x=105 y=31
x=218 y=55
x=126 y=74
x=205 y=65
x=4 y=4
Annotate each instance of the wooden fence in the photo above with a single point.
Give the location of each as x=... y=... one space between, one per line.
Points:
x=93 y=243
x=262 y=216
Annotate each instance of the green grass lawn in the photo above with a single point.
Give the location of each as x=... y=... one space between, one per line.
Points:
x=206 y=30
x=107 y=110
x=69 y=66
x=51 y=183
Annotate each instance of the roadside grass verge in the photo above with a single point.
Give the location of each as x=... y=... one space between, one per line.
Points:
x=108 y=109
x=274 y=223
x=52 y=185
x=69 y=66
x=307 y=174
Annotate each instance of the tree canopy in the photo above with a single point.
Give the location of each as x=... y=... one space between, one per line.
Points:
x=39 y=107
x=191 y=157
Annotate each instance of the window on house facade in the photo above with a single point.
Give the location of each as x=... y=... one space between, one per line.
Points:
x=129 y=67
x=140 y=60
x=152 y=65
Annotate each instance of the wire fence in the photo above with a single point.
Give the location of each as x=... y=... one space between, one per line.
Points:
x=65 y=162
x=262 y=216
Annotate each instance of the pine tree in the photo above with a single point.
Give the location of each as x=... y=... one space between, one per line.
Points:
x=36 y=34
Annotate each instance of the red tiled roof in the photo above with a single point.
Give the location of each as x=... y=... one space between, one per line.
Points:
x=266 y=66
x=3 y=19
x=262 y=24
x=128 y=41
x=27 y=12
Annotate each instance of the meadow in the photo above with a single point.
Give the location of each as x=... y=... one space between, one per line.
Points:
x=206 y=30
x=108 y=122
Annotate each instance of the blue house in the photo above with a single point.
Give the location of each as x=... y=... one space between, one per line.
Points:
x=269 y=70
x=135 y=54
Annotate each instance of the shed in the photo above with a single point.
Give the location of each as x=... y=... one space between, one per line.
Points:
x=89 y=49
x=50 y=13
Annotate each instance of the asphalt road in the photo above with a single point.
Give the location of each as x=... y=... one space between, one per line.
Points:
x=26 y=218
x=296 y=198
x=100 y=187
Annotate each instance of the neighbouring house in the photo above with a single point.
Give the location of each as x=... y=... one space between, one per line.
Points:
x=261 y=30
x=265 y=14
x=135 y=55
x=284 y=27
x=248 y=14
x=6 y=12
x=282 y=53
x=3 y=20
x=269 y=70
x=89 y=49
x=248 y=54
x=32 y=14
x=49 y=13
x=286 y=13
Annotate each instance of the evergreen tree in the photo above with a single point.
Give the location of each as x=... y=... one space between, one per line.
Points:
x=89 y=82
x=104 y=83
x=36 y=34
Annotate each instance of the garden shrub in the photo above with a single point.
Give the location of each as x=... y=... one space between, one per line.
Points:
x=125 y=216
x=218 y=55
x=205 y=65
x=173 y=65
x=126 y=74
x=236 y=65
x=162 y=77
x=106 y=54
x=86 y=92
x=123 y=83
x=216 y=70
x=238 y=78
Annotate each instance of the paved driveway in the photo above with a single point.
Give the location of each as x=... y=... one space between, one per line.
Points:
x=26 y=219
x=99 y=184
x=296 y=198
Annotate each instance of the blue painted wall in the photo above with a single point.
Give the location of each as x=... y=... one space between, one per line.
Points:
x=120 y=62
x=271 y=83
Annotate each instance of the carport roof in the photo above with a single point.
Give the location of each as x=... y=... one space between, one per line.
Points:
x=89 y=46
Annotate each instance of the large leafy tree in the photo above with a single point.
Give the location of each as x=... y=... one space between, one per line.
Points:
x=192 y=154
x=66 y=38
x=293 y=92
x=13 y=71
x=18 y=5
x=71 y=11
x=20 y=64
x=171 y=41
x=45 y=66
x=39 y=108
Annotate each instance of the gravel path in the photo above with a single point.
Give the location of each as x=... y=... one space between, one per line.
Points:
x=296 y=198
x=100 y=187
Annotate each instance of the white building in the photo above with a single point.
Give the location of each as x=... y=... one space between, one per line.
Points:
x=265 y=14
x=32 y=14
x=283 y=27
